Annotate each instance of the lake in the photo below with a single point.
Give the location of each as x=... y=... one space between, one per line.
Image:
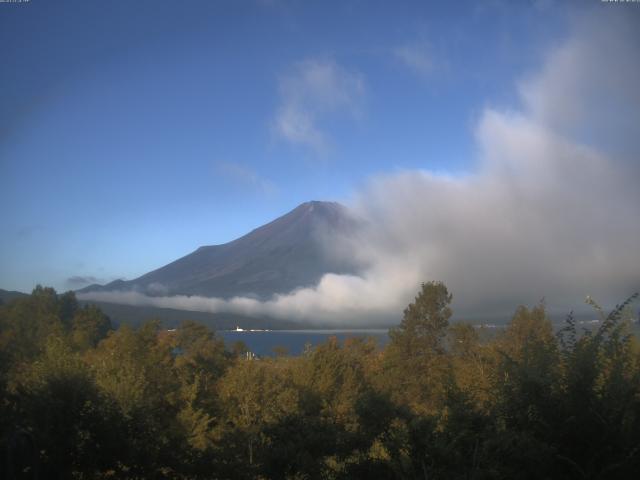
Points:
x=262 y=342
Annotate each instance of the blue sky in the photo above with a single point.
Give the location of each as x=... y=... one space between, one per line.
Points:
x=133 y=132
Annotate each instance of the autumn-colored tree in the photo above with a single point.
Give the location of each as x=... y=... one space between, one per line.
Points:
x=415 y=365
x=134 y=369
x=89 y=325
x=199 y=361
x=256 y=394
x=80 y=400
x=425 y=321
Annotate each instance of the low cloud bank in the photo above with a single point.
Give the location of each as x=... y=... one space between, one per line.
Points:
x=550 y=209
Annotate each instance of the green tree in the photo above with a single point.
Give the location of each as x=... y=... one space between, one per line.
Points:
x=525 y=388
x=472 y=363
x=598 y=427
x=425 y=322
x=89 y=326
x=75 y=429
x=134 y=369
x=256 y=394
x=415 y=367
x=27 y=323
x=199 y=362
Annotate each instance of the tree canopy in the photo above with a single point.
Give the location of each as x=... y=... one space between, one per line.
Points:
x=79 y=399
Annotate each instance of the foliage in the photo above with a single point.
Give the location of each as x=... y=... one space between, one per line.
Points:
x=425 y=322
x=81 y=400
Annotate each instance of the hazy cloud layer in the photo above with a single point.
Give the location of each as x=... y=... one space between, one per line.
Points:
x=310 y=92
x=588 y=88
x=416 y=56
x=551 y=208
x=246 y=176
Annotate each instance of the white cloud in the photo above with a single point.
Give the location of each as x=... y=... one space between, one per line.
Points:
x=416 y=56
x=546 y=212
x=246 y=176
x=311 y=91
x=588 y=88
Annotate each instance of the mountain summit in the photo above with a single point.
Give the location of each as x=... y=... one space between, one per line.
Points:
x=287 y=253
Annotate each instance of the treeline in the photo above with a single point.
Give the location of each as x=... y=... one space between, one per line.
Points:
x=81 y=400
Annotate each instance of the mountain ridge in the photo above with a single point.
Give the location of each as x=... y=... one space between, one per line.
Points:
x=287 y=253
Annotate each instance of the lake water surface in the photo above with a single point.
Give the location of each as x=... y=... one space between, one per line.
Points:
x=262 y=343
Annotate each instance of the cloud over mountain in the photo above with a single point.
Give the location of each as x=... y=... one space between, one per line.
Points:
x=550 y=209
x=311 y=91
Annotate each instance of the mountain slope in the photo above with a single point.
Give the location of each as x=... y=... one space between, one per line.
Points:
x=285 y=254
x=7 y=295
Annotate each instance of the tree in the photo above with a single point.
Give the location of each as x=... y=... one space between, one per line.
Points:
x=26 y=323
x=134 y=369
x=89 y=326
x=525 y=389
x=199 y=362
x=472 y=363
x=425 y=322
x=57 y=407
x=256 y=395
x=415 y=364
x=599 y=424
